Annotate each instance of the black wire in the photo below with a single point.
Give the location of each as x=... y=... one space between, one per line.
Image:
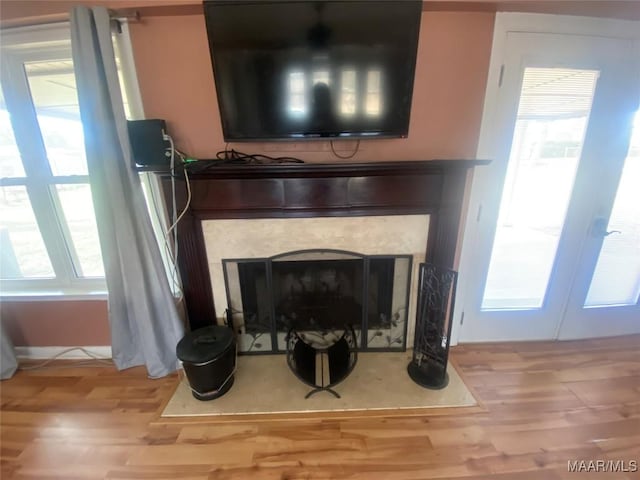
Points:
x=347 y=156
x=235 y=157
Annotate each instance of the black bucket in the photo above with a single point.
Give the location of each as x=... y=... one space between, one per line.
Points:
x=208 y=356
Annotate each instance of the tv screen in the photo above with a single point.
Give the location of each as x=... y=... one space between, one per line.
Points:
x=313 y=69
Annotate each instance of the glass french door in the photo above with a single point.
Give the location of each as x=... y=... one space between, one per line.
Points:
x=605 y=298
x=552 y=246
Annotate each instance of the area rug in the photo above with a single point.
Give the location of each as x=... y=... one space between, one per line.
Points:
x=264 y=384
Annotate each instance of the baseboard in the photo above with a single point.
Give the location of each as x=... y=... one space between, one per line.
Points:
x=29 y=353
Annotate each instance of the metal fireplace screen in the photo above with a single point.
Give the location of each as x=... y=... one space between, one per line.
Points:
x=318 y=292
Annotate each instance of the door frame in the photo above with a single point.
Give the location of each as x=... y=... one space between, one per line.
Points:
x=504 y=24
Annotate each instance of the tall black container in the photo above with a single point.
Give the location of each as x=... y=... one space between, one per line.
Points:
x=437 y=289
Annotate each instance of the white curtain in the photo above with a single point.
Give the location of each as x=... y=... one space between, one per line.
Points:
x=145 y=325
x=8 y=363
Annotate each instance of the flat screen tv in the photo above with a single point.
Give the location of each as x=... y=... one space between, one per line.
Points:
x=313 y=69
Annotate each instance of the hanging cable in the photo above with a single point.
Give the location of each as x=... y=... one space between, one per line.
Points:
x=175 y=217
x=347 y=156
x=93 y=358
x=186 y=207
x=174 y=210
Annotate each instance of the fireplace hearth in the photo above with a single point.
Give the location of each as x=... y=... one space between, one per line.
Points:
x=318 y=293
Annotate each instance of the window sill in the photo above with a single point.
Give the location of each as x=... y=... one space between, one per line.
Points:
x=52 y=296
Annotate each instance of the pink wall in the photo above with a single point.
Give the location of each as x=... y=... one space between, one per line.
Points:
x=176 y=81
x=57 y=323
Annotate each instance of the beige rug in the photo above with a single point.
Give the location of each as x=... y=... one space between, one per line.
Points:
x=264 y=384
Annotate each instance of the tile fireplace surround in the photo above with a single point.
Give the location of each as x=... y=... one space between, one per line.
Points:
x=262 y=238
x=426 y=195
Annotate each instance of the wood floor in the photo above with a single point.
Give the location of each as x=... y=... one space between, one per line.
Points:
x=543 y=404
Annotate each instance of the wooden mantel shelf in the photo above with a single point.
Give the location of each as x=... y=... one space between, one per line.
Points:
x=433 y=187
x=283 y=170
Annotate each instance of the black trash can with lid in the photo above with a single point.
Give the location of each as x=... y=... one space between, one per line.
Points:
x=208 y=356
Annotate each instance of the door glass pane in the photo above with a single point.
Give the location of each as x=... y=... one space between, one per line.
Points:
x=10 y=160
x=552 y=118
x=616 y=280
x=320 y=76
x=53 y=90
x=77 y=207
x=22 y=251
x=373 y=98
x=348 y=93
x=297 y=105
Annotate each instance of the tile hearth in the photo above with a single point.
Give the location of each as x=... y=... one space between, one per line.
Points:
x=264 y=384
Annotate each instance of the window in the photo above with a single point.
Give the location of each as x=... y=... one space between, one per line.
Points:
x=296 y=93
x=348 y=93
x=551 y=124
x=372 y=100
x=48 y=233
x=321 y=76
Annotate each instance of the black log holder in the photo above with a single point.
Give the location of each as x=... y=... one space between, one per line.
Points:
x=303 y=357
x=436 y=295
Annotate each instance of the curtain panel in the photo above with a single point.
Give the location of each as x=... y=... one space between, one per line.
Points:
x=144 y=321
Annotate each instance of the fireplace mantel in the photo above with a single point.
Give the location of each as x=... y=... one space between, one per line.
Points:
x=433 y=187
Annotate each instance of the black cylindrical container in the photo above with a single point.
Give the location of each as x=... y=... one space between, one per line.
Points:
x=208 y=356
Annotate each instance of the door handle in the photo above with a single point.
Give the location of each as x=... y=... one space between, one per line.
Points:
x=599 y=228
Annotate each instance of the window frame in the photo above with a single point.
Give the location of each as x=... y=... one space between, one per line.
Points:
x=42 y=43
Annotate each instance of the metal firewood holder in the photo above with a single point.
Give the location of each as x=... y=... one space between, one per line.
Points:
x=436 y=295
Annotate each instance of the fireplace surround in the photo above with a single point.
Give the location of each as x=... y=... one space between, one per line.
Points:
x=434 y=188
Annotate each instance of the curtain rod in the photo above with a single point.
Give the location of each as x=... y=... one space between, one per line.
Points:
x=117 y=16
x=129 y=14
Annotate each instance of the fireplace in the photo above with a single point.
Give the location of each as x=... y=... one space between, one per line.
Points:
x=253 y=197
x=318 y=293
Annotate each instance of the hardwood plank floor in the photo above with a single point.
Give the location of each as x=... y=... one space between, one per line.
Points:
x=542 y=404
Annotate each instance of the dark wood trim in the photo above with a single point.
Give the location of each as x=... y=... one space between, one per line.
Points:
x=209 y=169
x=313 y=190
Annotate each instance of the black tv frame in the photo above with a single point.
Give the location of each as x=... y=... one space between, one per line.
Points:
x=309 y=136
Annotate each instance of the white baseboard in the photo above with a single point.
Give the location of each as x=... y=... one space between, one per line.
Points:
x=39 y=353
